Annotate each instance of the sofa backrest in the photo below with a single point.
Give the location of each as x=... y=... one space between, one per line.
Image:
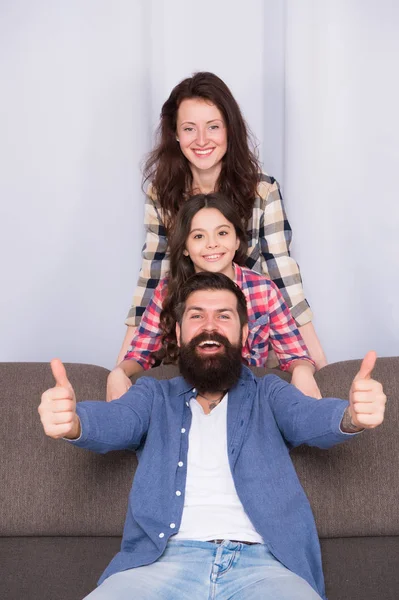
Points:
x=51 y=488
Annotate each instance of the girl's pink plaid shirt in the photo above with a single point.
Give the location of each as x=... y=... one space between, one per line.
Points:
x=269 y=321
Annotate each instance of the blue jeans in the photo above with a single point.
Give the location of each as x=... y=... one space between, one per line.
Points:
x=191 y=570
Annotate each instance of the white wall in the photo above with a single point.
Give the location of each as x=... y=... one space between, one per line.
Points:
x=341 y=166
x=82 y=86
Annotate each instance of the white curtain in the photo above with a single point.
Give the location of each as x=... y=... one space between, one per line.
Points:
x=83 y=82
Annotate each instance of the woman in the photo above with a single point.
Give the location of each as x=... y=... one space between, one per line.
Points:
x=208 y=236
x=203 y=147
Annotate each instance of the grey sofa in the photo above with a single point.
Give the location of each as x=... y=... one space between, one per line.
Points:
x=62 y=508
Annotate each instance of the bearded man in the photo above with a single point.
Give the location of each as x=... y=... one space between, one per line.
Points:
x=216 y=508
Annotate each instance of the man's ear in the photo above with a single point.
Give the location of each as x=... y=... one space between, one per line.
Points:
x=178 y=334
x=245 y=332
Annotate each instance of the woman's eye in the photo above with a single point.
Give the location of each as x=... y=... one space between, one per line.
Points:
x=189 y=129
x=214 y=127
x=198 y=236
x=223 y=232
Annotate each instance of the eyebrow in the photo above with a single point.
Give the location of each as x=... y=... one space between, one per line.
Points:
x=218 y=227
x=201 y=309
x=207 y=122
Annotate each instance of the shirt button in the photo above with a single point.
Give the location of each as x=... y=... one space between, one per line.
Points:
x=178 y=493
x=180 y=464
x=172 y=525
x=161 y=535
x=183 y=430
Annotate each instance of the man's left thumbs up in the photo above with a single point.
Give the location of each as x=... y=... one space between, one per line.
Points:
x=366 y=398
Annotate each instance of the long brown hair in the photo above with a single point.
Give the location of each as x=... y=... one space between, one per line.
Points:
x=182 y=267
x=169 y=170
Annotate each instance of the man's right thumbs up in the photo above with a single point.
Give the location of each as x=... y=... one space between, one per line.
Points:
x=59 y=373
x=57 y=409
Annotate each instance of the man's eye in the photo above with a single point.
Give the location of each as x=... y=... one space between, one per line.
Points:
x=224 y=316
x=195 y=316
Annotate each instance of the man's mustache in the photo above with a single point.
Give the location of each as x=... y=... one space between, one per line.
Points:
x=208 y=336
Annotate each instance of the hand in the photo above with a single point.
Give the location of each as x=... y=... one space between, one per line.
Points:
x=57 y=409
x=118 y=384
x=366 y=397
x=302 y=378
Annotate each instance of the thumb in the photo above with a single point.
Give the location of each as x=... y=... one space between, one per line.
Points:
x=367 y=366
x=59 y=373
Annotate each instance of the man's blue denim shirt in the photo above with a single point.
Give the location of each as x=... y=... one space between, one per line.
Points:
x=266 y=417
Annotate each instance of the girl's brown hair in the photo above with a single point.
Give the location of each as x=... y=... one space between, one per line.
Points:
x=169 y=170
x=182 y=267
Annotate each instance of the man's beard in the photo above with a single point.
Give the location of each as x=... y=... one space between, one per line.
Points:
x=213 y=373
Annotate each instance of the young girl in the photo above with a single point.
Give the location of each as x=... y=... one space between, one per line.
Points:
x=208 y=236
x=204 y=147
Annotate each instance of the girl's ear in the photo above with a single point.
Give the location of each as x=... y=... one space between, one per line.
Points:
x=237 y=243
x=185 y=252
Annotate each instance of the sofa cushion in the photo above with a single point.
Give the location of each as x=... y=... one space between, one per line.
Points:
x=50 y=488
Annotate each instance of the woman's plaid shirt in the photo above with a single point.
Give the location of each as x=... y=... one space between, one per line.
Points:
x=269 y=239
x=269 y=320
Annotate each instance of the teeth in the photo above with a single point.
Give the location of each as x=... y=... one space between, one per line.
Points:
x=203 y=151
x=209 y=343
x=212 y=256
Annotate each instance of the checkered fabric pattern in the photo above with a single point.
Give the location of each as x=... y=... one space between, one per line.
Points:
x=269 y=319
x=269 y=239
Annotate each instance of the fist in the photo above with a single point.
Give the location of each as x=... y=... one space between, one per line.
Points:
x=118 y=383
x=366 y=398
x=57 y=409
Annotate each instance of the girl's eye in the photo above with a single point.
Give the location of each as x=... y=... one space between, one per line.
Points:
x=198 y=236
x=223 y=233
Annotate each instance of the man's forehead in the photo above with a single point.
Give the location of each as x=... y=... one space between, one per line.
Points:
x=211 y=300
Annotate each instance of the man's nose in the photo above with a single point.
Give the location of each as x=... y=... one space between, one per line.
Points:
x=209 y=325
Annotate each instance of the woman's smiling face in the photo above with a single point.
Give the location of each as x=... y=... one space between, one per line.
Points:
x=201 y=133
x=212 y=242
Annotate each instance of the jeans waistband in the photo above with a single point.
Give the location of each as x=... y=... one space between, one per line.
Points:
x=234 y=542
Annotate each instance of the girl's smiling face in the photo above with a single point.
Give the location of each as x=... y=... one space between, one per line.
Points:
x=212 y=242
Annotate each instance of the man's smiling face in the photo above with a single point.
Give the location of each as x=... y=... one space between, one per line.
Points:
x=210 y=338
x=209 y=312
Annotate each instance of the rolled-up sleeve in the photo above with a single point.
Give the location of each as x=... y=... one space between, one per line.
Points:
x=275 y=237
x=155 y=259
x=148 y=336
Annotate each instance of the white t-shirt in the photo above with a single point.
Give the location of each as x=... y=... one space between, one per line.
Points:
x=212 y=508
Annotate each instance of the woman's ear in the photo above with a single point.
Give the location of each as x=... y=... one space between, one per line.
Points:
x=185 y=252
x=237 y=243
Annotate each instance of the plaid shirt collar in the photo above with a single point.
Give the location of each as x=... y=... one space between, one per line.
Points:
x=238 y=275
